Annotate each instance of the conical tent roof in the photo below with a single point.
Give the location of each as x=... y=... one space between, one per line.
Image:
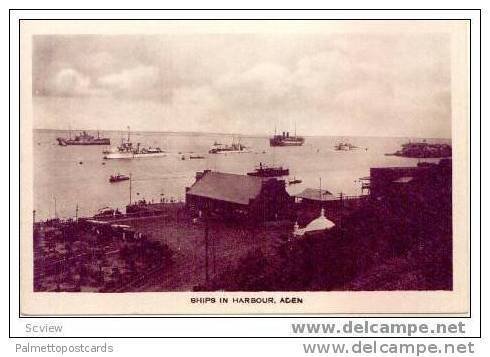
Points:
x=319 y=224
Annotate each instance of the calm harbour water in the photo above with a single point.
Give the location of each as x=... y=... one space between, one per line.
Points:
x=58 y=174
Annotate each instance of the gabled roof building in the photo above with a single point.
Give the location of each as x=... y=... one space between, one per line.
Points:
x=238 y=196
x=394 y=181
x=314 y=195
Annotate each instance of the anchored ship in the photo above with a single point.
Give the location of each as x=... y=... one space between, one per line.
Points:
x=269 y=171
x=83 y=139
x=286 y=140
x=345 y=146
x=234 y=148
x=128 y=151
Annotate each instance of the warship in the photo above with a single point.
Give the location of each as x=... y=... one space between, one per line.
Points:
x=129 y=151
x=234 y=148
x=83 y=139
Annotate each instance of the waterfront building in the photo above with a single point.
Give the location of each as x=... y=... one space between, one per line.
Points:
x=238 y=196
x=315 y=196
x=396 y=181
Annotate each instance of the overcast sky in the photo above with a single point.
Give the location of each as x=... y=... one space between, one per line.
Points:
x=355 y=84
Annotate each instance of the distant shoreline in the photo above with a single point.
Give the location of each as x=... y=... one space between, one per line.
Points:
x=194 y=133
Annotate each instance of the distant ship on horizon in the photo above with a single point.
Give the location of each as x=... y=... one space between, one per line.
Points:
x=83 y=139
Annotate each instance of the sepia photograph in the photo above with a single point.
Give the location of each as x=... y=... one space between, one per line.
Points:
x=264 y=161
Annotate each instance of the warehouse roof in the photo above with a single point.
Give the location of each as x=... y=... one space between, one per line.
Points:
x=316 y=194
x=227 y=187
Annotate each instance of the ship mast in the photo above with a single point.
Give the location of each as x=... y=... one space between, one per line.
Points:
x=129 y=134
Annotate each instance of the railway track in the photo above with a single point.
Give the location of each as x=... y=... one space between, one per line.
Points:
x=142 y=281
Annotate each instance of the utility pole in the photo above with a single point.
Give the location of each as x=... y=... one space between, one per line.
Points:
x=55 y=211
x=214 y=255
x=206 y=242
x=320 y=191
x=341 y=213
x=130 y=188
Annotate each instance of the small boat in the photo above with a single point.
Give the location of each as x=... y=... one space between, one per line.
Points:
x=194 y=157
x=118 y=177
x=294 y=181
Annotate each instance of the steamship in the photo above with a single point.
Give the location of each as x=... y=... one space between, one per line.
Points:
x=286 y=140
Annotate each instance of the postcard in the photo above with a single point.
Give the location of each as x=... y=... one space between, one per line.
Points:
x=255 y=167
